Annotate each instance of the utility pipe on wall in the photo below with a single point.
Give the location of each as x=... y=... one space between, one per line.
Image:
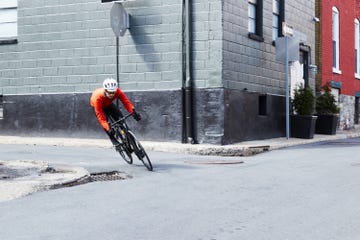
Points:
x=187 y=81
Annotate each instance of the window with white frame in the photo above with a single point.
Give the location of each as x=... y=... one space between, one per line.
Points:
x=255 y=19
x=252 y=16
x=8 y=19
x=357 y=48
x=276 y=19
x=335 y=40
x=278 y=9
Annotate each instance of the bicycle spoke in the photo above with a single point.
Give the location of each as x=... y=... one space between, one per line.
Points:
x=140 y=151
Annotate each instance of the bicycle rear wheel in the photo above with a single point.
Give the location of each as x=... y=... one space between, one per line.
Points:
x=124 y=148
x=140 y=151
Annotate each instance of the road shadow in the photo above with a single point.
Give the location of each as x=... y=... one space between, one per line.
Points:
x=161 y=167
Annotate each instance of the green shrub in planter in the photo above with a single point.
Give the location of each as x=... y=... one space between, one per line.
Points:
x=302 y=122
x=326 y=103
x=304 y=100
x=327 y=112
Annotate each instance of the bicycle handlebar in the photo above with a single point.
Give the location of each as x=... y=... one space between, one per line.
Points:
x=121 y=119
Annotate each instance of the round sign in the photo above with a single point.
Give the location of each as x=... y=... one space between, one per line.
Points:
x=118 y=19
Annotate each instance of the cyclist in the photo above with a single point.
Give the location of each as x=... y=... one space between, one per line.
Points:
x=102 y=102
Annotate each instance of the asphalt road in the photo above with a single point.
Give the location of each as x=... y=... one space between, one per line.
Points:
x=308 y=192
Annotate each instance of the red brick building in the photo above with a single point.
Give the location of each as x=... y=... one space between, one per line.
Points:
x=338 y=55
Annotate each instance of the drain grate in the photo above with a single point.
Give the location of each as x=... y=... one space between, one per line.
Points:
x=95 y=177
x=107 y=176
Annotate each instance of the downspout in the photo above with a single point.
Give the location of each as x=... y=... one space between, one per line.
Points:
x=187 y=81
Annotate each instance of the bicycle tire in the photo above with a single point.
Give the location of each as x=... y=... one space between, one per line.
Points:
x=125 y=154
x=140 y=151
x=124 y=151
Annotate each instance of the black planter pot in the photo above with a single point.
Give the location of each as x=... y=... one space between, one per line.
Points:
x=302 y=126
x=326 y=124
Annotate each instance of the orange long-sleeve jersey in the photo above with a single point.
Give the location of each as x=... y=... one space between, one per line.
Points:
x=99 y=101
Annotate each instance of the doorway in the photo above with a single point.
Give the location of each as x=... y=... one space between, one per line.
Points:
x=356 y=117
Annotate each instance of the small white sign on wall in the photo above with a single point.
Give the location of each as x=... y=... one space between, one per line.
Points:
x=287 y=30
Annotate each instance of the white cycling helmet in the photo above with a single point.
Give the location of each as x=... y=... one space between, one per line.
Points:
x=110 y=84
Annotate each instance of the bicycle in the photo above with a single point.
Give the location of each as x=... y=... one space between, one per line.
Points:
x=128 y=142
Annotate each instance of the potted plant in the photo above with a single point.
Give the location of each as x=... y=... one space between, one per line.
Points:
x=327 y=112
x=302 y=121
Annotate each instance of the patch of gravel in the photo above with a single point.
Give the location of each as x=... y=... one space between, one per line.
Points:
x=20 y=178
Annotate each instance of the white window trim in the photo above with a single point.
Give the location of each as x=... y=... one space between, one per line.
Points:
x=8 y=24
x=336 y=37
x=252 y=20
x=357 y=46
x=337 y=71
x=8 y=4
x=275 y=14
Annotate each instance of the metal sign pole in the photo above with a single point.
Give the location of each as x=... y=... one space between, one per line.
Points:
x=117 y=60
x=117 y=66
x=287 y=88
x=119 y=21
x=288 y=31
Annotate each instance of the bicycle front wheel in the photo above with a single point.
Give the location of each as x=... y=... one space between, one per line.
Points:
x=125 y=154
x=140 y=151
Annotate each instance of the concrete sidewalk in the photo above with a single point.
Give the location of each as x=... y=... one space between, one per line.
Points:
x=246 y=148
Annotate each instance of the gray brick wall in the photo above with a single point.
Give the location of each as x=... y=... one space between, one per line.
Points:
x=67 y=46
x=251 y=64
x=207 y=43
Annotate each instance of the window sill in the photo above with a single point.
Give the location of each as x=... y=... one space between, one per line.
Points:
x=255 y=37
x=8 y=41
x=357 y=76
x=337 y=71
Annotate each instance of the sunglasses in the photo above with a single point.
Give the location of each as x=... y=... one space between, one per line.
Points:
x=110 y=93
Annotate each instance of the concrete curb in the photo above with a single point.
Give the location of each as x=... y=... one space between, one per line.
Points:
x=246 y=148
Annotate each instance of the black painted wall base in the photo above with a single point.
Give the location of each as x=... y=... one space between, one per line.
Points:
x=221 y=116
x=70 y=115
x=226 y=116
